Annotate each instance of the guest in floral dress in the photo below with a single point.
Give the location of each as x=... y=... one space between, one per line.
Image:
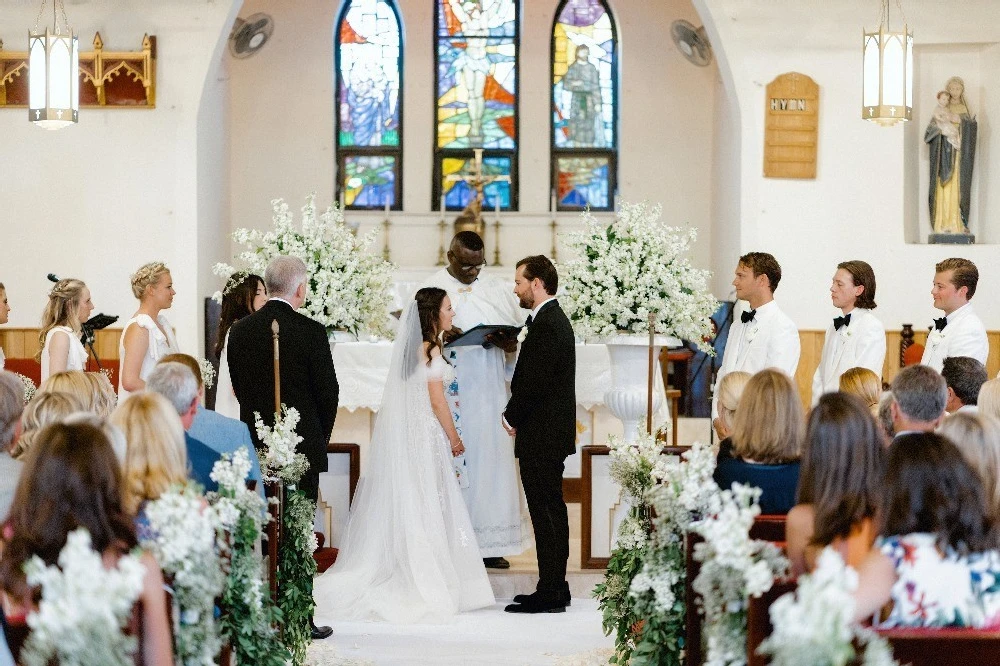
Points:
x=938 y=563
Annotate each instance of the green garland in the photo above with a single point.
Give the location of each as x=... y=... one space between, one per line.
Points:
x=661 y=642
x=619 y=615
x=296 y=568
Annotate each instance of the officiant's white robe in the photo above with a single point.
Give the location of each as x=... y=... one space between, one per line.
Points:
x=770 y=340
x=860 y=344
x=494 y=494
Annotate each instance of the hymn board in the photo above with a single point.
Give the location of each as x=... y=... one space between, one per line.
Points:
x=791 y=127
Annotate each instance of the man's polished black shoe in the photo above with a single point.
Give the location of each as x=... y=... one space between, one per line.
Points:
x=496 y=563
x=319 y=633
x=538 y=604
x=564 y=596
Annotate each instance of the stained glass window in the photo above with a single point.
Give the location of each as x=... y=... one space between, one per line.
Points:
x=584 y=101
x=369 y=61
x=476 y=81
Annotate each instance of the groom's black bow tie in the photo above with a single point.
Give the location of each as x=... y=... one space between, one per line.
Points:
x=939 y=324
x=841 y=321
x=748 y=316
x=527 y=322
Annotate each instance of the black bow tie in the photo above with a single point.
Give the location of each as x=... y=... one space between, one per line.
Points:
x=527 y=322
x=939 y=324
x=841 y=321
x=748 y=316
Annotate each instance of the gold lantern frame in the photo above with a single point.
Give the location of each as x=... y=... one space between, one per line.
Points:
x=887 y=72
x=53 y=82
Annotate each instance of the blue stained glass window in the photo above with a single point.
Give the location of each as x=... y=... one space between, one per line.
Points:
x=369 y=103
x=584 y=101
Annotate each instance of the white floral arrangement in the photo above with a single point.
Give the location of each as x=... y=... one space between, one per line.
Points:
x=29 y=387
x=814 y=624
x=734 y=567
x=84 y=607
x=630 y=268
x=184 y=542
x=281 y=461
x=207 y=372
x=350 y=287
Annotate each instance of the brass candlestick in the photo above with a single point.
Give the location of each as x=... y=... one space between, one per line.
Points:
x=442 y=225
x=496 y=242
x=385 y=241
x=555 y=244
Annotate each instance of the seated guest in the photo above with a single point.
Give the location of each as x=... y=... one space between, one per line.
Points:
x=767 y=437
x=220 y=433
x=155 y=456
x=730 y=390
x=884 y=416
x=44 y=408
x=4 y=312
x=977 y=436
x=938 y=557
x=104 y=398
x=11 y=408
x=71 y=479
x=864 y=384
x=839 y=485
x=856 y=338
x=988 y=401
x=59 y=342
x=919 y=395
x=964 y=377
x=68 y=381
x=177 y=384
x=960 y=332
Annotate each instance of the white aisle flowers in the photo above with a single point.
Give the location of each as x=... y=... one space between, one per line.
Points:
x=734 y=567
x=183 y=533
x=630 y=268
x=814 y=624
x=84 y=607
x=281 y=460
x=349 y=285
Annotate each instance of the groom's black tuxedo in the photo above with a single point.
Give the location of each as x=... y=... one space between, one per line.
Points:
x=542 y=408
x=308 y=380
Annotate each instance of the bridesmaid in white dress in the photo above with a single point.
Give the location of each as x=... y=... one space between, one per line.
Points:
x=244 y=294
x=68 y=307
x=147 y=336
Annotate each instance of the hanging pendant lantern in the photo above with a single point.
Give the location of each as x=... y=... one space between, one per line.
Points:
x=887 y=95
x=53 y=74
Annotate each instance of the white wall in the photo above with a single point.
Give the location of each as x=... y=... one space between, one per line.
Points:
x=97 y=200
x=855 y=207
x=282 y=124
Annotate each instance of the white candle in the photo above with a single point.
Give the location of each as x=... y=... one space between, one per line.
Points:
x=443 y=209
x=387 y=207
x=496 y=206
x=343 y=198
x=552 y=202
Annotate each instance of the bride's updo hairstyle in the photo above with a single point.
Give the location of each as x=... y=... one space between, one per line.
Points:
x=147 y=276
x=61 y=310
x=428 y=310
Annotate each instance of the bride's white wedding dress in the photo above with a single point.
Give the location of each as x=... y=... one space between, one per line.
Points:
x=409 y=553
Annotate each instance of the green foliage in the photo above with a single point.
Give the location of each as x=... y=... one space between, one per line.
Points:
x=296 y=568
x=618 y=613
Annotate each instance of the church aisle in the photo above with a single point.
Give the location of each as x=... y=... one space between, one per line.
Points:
x=486 y=637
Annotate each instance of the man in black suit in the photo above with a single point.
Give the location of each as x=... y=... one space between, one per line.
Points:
x=308 y=380
x=541 y=415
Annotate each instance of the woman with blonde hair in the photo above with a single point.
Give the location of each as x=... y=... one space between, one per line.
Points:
x=4 y=313
x=989 y=398
x=155 y=458
x=147 y=336
x=977 y=436
x=730 y=390
x=44 y=408
x=59 y=338
x=864 y=384
x=767 y=440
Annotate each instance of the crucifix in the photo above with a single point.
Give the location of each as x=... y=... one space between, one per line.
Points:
x=471 y=218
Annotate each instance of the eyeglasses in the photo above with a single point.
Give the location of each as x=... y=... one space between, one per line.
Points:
x=473 y=267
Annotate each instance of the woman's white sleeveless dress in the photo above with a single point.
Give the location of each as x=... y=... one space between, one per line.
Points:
x=77 y=359
x=225 y=399
x=160 y=345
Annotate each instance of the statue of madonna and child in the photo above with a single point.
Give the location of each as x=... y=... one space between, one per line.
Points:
x=951 y=136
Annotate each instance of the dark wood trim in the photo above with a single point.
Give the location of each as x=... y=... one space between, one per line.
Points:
x=586 y=500
x=571 y=489
x=354 y=451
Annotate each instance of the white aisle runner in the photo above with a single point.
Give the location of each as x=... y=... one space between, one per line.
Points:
x=487 y=637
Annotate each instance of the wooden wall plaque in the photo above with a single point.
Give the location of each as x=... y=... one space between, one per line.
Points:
x=791 y=127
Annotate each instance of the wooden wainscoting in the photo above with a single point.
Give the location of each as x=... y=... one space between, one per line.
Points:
x=23 y=342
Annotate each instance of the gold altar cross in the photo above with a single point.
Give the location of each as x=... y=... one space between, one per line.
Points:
x=477 y=179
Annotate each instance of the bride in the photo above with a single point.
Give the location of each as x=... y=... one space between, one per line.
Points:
x=409 y=553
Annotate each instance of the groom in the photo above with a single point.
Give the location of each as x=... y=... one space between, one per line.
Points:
x=541 y=416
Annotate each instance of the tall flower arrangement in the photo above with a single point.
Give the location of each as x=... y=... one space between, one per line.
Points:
x=349 y=286
x=182 y=537
x=84 y=607
x=634 y=266
x=814 y=624
x=734 y=567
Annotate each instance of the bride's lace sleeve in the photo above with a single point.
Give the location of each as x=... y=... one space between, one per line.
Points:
x=437 y=368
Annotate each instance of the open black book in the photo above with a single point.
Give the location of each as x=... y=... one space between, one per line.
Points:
x=476 y=336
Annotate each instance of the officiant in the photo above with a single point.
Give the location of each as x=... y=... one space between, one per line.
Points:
x=479 y=395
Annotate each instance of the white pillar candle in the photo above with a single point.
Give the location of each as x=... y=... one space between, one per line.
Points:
x=496 y=205
x=443 y=209
x=552 y=202
x=387 y=206
x=343 y=199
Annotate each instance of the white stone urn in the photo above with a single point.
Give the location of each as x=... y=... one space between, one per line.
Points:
x=627 y=397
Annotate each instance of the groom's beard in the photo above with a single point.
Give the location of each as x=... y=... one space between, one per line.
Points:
x=525 y=303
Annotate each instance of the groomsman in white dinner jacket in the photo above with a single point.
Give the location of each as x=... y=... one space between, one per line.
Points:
x=762 y=336
x=960 y=332
x=856 y=338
